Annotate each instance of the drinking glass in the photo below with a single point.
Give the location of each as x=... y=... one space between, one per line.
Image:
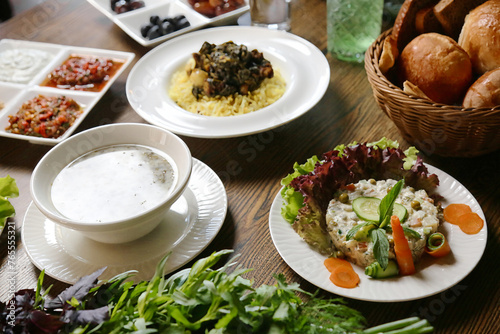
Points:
x=352 y=26
x=272 y=14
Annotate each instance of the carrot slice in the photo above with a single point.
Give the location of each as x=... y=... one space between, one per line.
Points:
x=344 y=277
x=401 y=248
x=470 y=223
x=453 y=211
x=333 y=262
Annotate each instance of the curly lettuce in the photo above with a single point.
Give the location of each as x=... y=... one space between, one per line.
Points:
x=8 y=189
x=307 y=192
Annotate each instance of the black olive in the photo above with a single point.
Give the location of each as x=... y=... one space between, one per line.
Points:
x=183 y=23
x=154 y=32
x=167 y=27
x=145 y=29
x=155 y=19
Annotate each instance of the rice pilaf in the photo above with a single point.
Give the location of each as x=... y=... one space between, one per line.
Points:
x=269 y=92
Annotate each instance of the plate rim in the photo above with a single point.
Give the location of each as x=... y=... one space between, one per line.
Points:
x=243 y=32
x=351 y=293
x=215 y=223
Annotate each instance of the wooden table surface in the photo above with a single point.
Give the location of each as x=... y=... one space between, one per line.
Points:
x=346 y=113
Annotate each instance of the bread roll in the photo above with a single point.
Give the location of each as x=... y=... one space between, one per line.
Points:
x=451 y=14
x=438 y=66
x=485 y=91
x=480 y=36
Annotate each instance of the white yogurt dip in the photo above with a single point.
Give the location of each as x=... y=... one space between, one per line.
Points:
x=113 y=183
x=21 y=65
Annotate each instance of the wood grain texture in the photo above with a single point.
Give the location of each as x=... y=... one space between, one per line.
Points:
x=251 y=167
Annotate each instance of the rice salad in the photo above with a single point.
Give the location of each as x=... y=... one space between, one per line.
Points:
x=423 y=217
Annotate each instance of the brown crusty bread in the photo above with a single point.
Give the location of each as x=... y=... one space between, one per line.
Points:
x=389 y=54
x=404 y=29
x=451 y=14
x=426 y=21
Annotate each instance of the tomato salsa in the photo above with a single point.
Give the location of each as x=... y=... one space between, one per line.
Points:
x=42 y=116
x=86 y=73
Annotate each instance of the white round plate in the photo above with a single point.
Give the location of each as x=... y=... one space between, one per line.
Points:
x=302 y=65
x=191 y=224
x=433 y=275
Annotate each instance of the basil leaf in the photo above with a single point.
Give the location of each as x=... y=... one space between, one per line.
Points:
x=387 y=203
x=352 y=232
x=380 y=247
x=407 y=231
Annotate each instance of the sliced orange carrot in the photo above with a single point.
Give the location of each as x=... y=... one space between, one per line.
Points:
x=401 y=248
x=453 y=211
x=470 y=223
x=333 y=262
x=344 y=277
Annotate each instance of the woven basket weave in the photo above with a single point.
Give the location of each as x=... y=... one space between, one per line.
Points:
x=434 y=128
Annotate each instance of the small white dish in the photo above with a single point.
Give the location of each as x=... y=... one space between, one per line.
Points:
x=433 y=275
x=302 y=65
x=187 y=229
x=131 y=22
x=13 y=95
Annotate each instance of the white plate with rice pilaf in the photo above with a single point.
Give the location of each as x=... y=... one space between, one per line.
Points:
x=302 y=65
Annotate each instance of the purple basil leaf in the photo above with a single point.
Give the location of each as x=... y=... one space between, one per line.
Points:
x=78 y=291
x=41 y=322
x=94 y=317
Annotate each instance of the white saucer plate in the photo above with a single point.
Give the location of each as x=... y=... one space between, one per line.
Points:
x=187 y=229
x=433 y=275
x=302 y=65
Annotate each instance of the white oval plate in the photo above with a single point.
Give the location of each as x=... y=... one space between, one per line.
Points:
x=302 y=65
x=433 y=275
x=188 y=228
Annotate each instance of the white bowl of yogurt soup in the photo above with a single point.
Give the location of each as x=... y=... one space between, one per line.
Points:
x=112 y=183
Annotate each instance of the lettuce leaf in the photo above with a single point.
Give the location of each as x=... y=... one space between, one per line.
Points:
x=8 y=189
x=344 y=165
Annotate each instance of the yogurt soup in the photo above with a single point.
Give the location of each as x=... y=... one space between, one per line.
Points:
x=113 y=183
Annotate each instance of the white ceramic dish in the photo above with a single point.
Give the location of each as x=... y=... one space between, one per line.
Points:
x=302 y=65
x=433 y=275
x=187 y=229
x=13 y=95
x=131 y=22
x=127 y=228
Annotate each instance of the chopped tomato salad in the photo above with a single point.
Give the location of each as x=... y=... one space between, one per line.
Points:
x=42 y=116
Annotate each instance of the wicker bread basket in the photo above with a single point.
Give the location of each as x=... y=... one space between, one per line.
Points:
x=445 y=130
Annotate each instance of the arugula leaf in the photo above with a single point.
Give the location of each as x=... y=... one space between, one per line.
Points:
x=380 y=247
x=387 y=203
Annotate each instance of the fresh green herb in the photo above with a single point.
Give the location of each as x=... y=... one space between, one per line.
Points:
x=8 y=189
x=387 y=203
x=380 y=247
x=199 y=299
x=354 y=232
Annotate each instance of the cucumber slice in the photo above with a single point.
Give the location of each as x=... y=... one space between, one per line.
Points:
x=366 y=208
x=400 y=211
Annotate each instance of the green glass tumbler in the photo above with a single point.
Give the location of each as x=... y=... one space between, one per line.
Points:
x=352 y=26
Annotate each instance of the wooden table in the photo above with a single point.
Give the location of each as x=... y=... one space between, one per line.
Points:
x=346 y=113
